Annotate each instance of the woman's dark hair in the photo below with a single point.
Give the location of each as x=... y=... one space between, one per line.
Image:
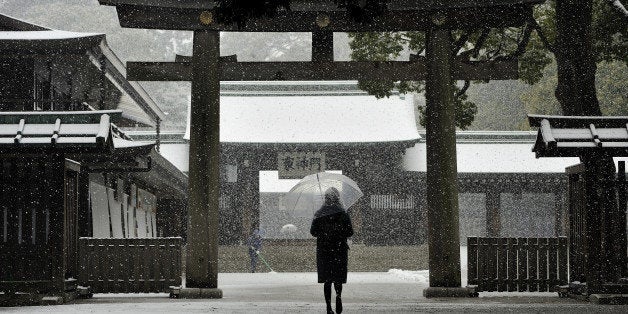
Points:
x=332 y=197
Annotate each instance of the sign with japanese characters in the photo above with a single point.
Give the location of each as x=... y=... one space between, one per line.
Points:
x=296 y=165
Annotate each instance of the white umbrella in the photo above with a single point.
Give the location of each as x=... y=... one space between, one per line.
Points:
x=288 y=229
x=305 y=198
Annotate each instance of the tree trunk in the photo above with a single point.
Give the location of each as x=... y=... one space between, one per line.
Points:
x=574 y=58
x=576 y=94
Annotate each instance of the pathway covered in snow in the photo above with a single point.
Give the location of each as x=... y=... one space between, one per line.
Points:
x=385 y=292
x=395 y=291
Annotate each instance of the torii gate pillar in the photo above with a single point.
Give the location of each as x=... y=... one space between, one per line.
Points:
x=442 y=179
x=204 y=187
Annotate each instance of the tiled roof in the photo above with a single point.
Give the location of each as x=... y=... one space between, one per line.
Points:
x=316 y=119
x=575 y=136
x=57 y=130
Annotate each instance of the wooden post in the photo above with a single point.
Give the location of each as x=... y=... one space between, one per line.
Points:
x=493 y=223
x=56 y=240
x=594 y=180
x=252 y=197
x=248 y=199
x=85 y=225
x=560 y=221
x=616 y=226
x=620 y=221
x=442 y=181
x=204 y=182
x=472 y=258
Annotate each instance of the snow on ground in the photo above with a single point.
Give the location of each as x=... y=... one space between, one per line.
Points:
x=423 y=276
x=373 y=292
x=409 y=275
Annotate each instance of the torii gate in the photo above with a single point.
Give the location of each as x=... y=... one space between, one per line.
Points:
x=205 y=69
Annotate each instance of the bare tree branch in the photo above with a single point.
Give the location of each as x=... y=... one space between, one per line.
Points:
x=478 y=45
x=491 y=54
x=539 y=32
x=463 y=89
x=521 y=44
x=616 y=4
x=460 y=43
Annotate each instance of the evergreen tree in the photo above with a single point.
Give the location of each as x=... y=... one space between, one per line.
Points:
x=534 y=44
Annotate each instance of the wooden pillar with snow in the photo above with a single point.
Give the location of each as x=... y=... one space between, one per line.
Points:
x=442 y=181
x=204 y=186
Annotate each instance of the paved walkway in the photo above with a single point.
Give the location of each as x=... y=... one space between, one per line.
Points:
x=299 y=293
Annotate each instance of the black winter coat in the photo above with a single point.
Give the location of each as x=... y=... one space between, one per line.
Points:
x=332 y=250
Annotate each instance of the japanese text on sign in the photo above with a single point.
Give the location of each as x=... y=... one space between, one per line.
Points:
x=293 y=165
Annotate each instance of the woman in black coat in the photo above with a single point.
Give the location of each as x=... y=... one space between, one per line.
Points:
x=331 y=227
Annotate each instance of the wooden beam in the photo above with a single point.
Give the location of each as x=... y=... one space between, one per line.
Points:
x=310 y=5
x=159 y=71
x=186 y=18
x=322 y=71
x=184 y=58
x=326 y=71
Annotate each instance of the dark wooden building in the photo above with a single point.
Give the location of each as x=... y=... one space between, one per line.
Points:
x=54 y=70
x=68 y=170
x=298 y=129
x=597 y=197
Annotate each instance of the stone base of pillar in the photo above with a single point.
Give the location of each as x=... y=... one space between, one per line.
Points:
x=450 y=292
x=195 y=293
x=609 y=298
x=35 y=299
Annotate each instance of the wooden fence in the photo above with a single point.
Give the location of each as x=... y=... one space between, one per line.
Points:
x=517 y=264
x=130 y=265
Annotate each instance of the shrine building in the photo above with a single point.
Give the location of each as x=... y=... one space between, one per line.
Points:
x=267 y=128
x=68 y=168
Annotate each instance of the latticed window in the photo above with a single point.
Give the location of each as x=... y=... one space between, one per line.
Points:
x=392 y=201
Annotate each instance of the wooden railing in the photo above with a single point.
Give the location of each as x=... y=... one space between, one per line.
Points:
x=130 y=265
x=517 y=264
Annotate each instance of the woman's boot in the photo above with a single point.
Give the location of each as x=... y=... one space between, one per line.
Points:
x=329 y=310
x=338 y=288
x=327 y=291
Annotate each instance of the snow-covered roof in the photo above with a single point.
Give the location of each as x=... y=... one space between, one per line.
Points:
x=124 y=143
x=178 y=154
x=46 y=42
x=136 y=104
x=56 y=130
x=578 y=135
x=316 y=119
x=44 y=35
x=19 y=37
x=494 y=158
x=9 y=23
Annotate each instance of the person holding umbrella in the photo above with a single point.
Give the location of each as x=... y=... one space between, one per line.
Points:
x=332 y=226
